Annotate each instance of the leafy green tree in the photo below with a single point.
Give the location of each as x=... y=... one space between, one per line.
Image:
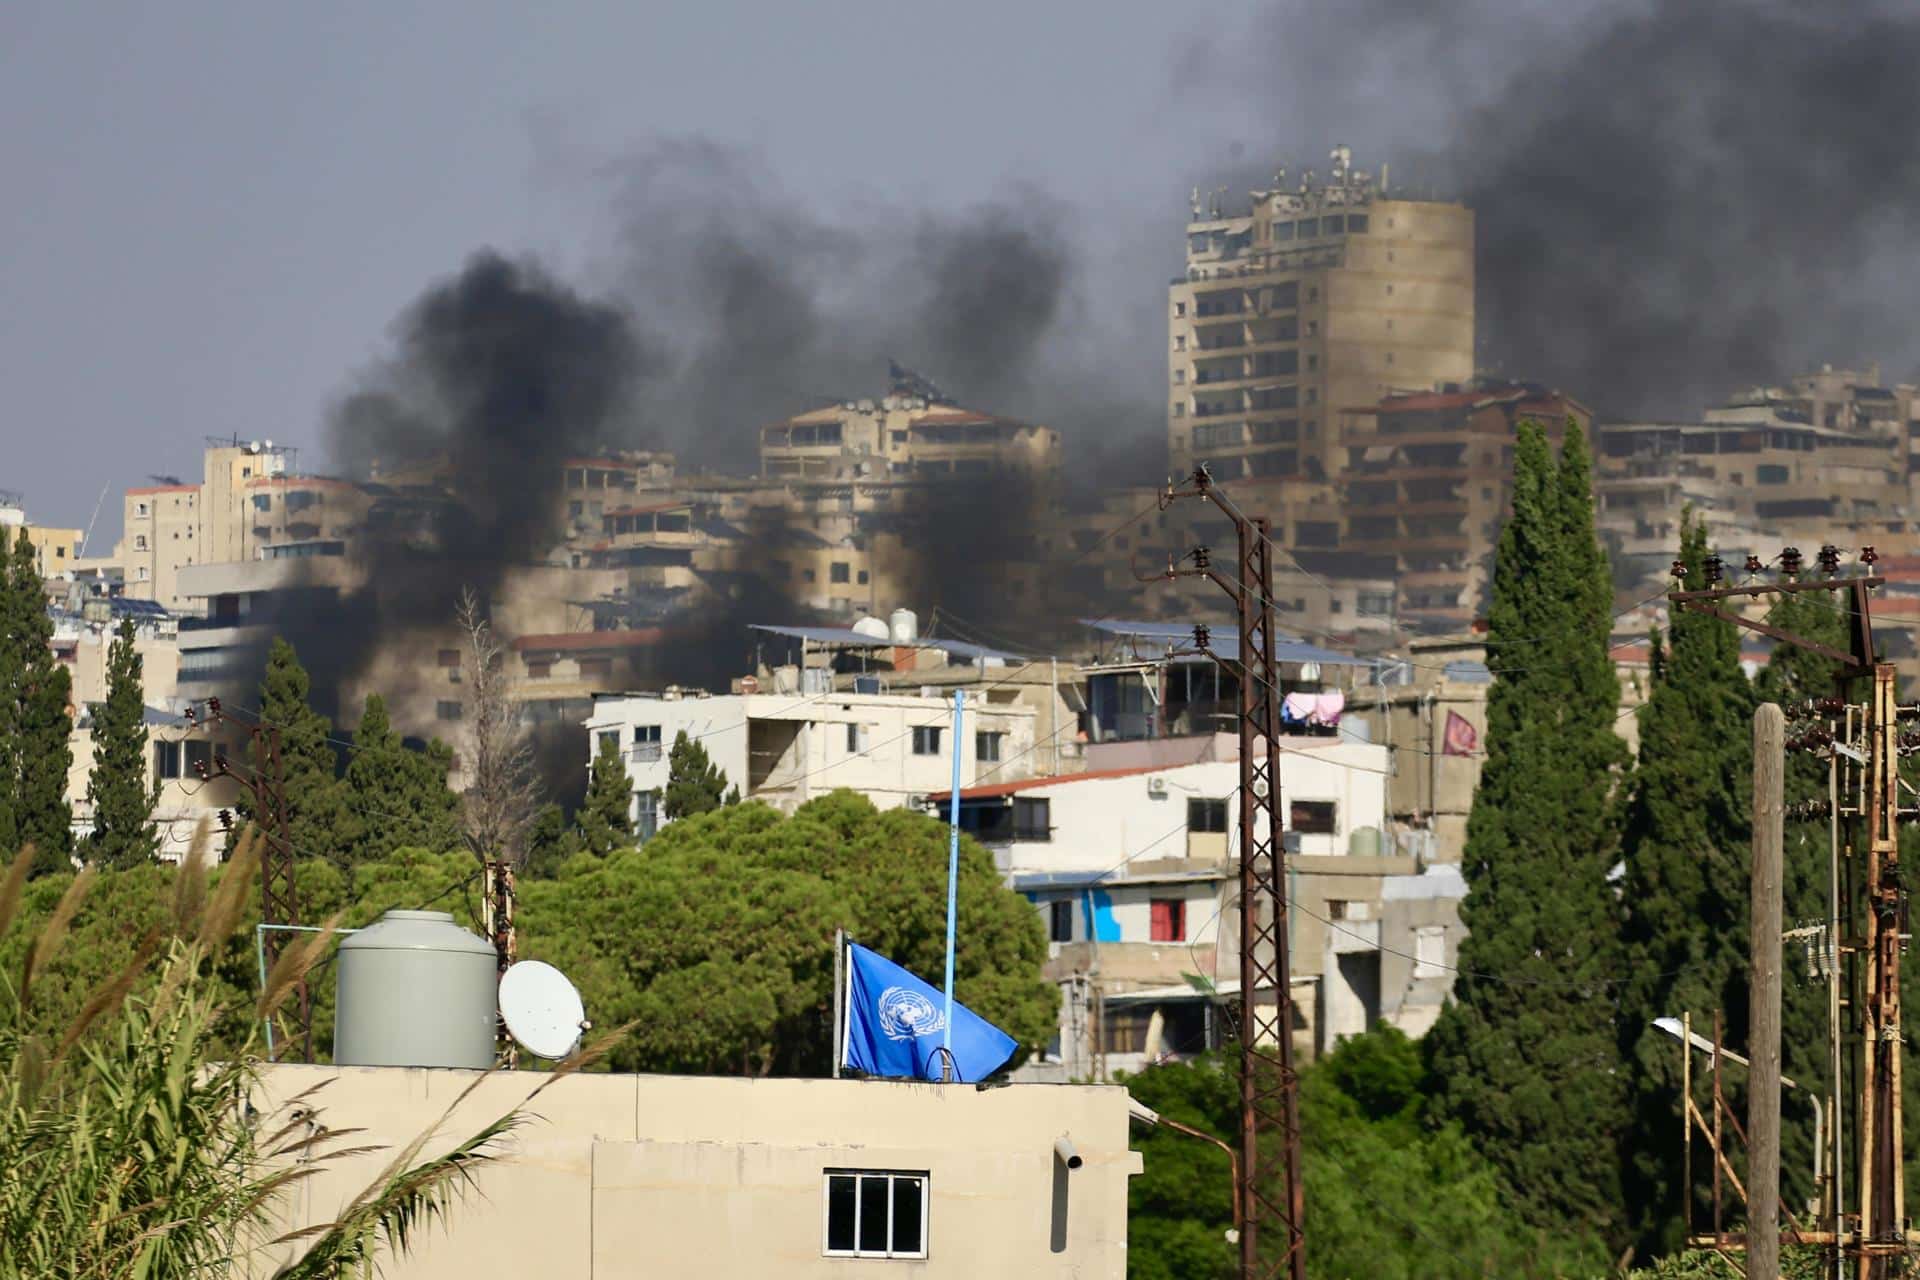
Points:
x=1686 y=894
x=396 y=796
x=123 y=831
x=1390 y=1192
x=604 y=822
x=36 y=720
x=1524 y=1055
x=718 y=934
x=316 y=801
x=695 y=784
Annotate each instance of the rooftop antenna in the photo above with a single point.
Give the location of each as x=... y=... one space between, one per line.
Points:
x=82 y=553
x=1193 y=202
x=542 y=1009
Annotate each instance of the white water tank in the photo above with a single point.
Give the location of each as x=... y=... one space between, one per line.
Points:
x=415 y=990
x=871 y=627
x=905 y=625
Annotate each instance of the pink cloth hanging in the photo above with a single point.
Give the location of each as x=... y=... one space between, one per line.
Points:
x=1327 y=708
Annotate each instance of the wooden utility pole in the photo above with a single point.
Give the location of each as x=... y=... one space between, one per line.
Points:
x=1763 y=994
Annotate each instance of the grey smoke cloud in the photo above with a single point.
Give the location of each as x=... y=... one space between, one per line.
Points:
x=1674 y=199
x=765 y=305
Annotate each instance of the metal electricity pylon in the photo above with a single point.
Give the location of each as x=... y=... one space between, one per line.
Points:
x=1271 y=1209
x=266 y=783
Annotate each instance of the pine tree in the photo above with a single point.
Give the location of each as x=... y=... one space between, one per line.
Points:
x=1524 y=1057
x=695 y=784
x=396 y=797
x=39 y=720
x=603 y=819
x=551 y=840
x=1687 y=839
x=123 y=831
x=316 y=808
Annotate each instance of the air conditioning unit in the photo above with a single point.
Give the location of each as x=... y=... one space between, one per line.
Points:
x=1156 y=786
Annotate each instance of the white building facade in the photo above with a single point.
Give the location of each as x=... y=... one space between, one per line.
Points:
x=1134 y=872
x=786 y=749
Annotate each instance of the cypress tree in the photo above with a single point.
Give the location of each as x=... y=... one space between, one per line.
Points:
x=604 y=822
x=396 y=797
x=39 y=721
x=695 y=784
x=1524 y=1055
x=316 y=809
x=1687 y=838
x=123 y=831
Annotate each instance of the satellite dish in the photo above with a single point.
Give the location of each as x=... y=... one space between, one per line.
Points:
x=541 y=1009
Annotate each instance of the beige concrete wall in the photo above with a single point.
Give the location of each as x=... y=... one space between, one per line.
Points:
x=682 y=1176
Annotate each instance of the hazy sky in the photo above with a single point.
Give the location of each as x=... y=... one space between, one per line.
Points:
x=216 y=211
x=213 y=214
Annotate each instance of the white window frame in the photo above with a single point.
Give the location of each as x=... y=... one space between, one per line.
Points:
x=1425 y=965
x=892 y=1176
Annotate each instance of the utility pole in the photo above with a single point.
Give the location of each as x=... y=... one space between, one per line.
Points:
x=279 y=896
x=1763 y=999
x=1879 y=1223
x=497 y=895
x=1271 y=1212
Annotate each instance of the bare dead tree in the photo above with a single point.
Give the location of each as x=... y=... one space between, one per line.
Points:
x=502 y=794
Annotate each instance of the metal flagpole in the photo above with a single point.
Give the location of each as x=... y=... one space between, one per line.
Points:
x=839 y=995
x=953 y=880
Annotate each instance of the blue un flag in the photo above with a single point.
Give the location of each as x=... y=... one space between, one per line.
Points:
x=896 y=1025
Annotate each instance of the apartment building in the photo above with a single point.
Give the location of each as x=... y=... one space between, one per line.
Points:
x=914 y=430
x=190 y=792
x=1336 y=292
x=1134 y=874
x=1829 y=457
x=786 y=748
x=55 y=551
x=1428 y=481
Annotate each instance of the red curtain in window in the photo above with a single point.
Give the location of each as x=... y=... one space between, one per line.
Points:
x=1169 y=920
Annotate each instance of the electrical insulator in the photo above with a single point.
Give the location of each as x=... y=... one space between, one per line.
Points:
x=1680 y=568
x=190 y=713
x=1200 y=636
x=213 y=707
x=1716 y=569
x=1201 y=557
x=1829 y=559
x=1868 y=555
x=1754 y=564
x=226 y=820
x=1790 y=561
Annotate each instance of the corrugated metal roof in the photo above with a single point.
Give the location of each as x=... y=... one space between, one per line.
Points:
x=1169 y=636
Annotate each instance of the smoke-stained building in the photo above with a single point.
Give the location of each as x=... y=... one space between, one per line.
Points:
x=1332 y=294
x=1428 y=481
x=1828 y=457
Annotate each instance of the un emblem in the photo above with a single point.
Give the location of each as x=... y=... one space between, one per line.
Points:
x=906 y=1014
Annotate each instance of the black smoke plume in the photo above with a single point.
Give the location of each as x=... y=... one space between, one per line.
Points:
x=497 y=374
x=1674 y=199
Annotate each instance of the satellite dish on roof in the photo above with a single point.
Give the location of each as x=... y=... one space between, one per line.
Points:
x=541 y=1009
